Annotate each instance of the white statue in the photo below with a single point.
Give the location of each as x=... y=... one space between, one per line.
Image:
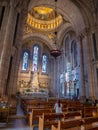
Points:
x=35 y=82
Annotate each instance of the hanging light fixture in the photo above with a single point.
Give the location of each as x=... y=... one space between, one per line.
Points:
x=55 y=52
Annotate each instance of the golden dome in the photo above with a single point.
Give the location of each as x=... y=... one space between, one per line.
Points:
x=44 y=18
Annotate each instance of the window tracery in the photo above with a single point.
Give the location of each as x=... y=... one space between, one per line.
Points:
x=44 y=63
x=25 y=61
x=35 y=58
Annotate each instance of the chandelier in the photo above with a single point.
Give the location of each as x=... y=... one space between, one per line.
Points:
x=55 y=52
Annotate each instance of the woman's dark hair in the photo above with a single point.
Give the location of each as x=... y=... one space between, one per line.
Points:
x=59 y=102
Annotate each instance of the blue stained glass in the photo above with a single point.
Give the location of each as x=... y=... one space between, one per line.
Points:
x=35 y=58
x=75 y=54
x=67 y=49
x=44 y=64
x=25 y=61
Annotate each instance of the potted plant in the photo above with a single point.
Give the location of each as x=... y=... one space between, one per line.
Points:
x=28 y=90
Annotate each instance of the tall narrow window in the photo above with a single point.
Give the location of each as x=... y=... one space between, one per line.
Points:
x=74 y=54
x=35 y=58
x=44 y=64
x=67 y=49
x=25 y=61
x=2 y=9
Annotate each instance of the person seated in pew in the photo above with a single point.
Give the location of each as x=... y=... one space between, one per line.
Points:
x=58 y=106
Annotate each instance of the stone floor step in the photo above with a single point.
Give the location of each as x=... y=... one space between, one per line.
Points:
x=17 y=117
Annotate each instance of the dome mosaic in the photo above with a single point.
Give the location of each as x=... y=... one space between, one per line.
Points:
x=44 y=18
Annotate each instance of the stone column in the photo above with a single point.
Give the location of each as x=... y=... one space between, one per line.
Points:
x=3 y=23
x=58 y=76
x=18 y=44
x=7 y=40
x=89 y=61
x=62 y=71
x=94 y=29
x=82 y=89
x=52 y=76
x=55 y=76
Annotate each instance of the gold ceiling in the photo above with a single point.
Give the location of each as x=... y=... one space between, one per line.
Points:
x=44 y=19
x=43 y=10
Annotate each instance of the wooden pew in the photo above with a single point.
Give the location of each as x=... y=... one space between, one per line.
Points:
x=46 y=120
x=76 y=108
x=34 y=115
x=75 y=124
x=73 y=114
x=27 y=105
x=95 y=128
x=85 y=123
x=29 y=108
x=89 y=111
x=90 y=122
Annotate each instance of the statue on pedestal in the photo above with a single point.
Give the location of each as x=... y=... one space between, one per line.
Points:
x=35 y=81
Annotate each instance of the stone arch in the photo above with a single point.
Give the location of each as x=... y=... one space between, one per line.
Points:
x=42 y=38
x=70 y=12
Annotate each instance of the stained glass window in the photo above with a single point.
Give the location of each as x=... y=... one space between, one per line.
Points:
x=35 y=58
x=25 y=61
x=74 y=54
x=44 y=64
x=67 y=49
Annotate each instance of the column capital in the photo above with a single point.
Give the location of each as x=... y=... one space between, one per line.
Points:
x=94 y=28
x=85 y=32
x=4 y=3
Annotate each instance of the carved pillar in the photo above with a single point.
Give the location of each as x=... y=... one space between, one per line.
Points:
x=53 y=64
x=52 y=76
x=94 y=30
x=4 y=13
x=7 y=40
x=55 y=76
x=58 y=77
x=17 y=54
x=89 y=63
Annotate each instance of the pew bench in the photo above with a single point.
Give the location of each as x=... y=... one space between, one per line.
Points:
x=48 y=119
x=35 y=113
x=90 y=122
x=73 y=114
x=74 y=124
x=90 y=111
x=95 y=128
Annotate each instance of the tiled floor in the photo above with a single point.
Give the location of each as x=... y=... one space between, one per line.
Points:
x=16 y=124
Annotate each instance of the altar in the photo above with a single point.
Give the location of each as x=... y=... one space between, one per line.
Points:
x=37 y=95
x=33 y=89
